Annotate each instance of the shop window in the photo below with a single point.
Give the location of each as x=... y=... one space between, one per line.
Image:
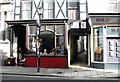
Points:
x=60 y=29
x=42 y=27
x=51 y=27
x=32 y=30
x=47 y=43
x=60 y=44
x=98 y=44
x=52 y=40
x=32 y=45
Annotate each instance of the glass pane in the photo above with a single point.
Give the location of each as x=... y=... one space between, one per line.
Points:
x=26 y=5
x=45 y=14
x=51 y=27
x=47 y=43
x=17 y=10
x=18 y=3
x=83 y=1
x=98 y=44
x=59 y=39
x=42 y=28
x=83 y=16
x=112 y=7
x=83 y=7
x=32 y=47
x=33 y=30
x=17 y=17
x=60 y=45
x=98 y=49
x=26 y=15
x=73 y=3
x=50 y=13
x=48 y=4
x=98 y=32
x=60 y=29
x=73 y=14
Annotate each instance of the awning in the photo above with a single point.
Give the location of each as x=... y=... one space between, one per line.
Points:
x=18 y=22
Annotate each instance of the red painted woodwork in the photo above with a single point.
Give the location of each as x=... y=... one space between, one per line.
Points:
x=47 y=61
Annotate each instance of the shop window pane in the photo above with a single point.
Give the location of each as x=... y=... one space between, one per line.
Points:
x=47 y=43
x=60 y=29
x=60 y=45
x=98 y=32
x=42 y=28
x=32 y=43
x=51 y=27
x=33 y=29
x=98 y=49
x=98 y=44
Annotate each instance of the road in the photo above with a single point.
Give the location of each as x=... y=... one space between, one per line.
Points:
x=24 y=77
x=37 y=78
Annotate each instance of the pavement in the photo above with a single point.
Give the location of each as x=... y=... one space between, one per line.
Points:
x=72 y=72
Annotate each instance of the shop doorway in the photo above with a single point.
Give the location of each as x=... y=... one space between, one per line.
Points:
x=79 y=50
x=20 y=34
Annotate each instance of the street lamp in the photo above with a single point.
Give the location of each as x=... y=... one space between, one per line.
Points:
x=39 y=11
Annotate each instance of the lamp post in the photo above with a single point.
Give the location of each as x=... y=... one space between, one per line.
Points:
x=38 y=40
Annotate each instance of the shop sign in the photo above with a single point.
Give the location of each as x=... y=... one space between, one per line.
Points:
x=105 y=20
x=101 y=19
x=113 y=31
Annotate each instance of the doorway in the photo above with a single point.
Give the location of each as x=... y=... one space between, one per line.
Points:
x=20 y=34
x=79 y=50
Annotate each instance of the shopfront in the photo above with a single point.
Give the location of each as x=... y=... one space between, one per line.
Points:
x=105 y=42
x=52 y=44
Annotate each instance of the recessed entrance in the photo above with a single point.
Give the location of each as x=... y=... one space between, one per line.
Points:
x=20 y=34
x=78 y=53
x=79 y=47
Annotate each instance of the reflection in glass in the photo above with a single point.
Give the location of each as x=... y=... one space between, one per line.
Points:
x=47 y=41
x=32 y=43
x=98 y=44
x=60 y=29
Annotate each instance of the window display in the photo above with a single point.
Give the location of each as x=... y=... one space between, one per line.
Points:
x=52 y=40
x=98 y=44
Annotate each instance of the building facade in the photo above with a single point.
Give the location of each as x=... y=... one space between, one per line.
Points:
x=6 y=13
x=61 y=29
x=105 y=37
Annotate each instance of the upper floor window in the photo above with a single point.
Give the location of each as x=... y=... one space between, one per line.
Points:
x=26 y=9
x=112 y=5
x=48 y=9
x=73 y=9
